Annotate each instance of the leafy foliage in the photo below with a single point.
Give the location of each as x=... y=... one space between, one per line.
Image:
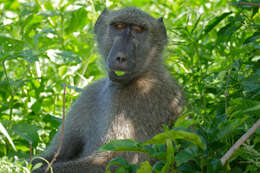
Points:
x=213 y=51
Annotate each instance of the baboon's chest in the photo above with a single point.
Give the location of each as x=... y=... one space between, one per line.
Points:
x=136 y=117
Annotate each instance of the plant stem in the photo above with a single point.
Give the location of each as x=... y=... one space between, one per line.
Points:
x=227 y=91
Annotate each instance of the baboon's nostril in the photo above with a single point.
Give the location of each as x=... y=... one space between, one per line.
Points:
x=121 y=59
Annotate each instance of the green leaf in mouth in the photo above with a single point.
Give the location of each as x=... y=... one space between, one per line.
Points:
x=119 y=73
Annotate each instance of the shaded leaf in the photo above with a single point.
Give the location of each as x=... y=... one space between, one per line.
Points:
x=117 y=161
x=215 y=21
x=187 y=154
x=214 y=165
x=255 y=108
x=27 y=132
x=158 y=166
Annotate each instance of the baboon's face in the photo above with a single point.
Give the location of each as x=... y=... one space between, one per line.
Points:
x=126 y=40
x=129 y=49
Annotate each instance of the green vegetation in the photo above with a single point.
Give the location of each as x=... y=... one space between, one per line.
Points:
x=119 y=73
x=213 y=52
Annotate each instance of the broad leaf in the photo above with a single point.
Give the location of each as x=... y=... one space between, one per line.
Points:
x=177 y=134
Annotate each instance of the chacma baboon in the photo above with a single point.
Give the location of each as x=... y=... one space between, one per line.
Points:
x=136 y=99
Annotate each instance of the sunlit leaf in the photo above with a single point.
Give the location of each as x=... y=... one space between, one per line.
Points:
x=5 y=133
x=123 y=145
x=78 y=20
x=145 y=167
x=177 y=134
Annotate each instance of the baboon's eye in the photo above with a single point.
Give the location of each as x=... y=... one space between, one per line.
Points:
x=137 y=28
x=119 y=26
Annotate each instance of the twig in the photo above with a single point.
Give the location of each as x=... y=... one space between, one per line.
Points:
x=30 y=150
x=62 y=131
x=250 y=4
x=239 y=142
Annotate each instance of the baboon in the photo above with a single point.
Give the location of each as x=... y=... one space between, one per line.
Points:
x=133 y=102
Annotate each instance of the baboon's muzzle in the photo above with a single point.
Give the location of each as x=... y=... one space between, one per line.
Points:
x=121 y=61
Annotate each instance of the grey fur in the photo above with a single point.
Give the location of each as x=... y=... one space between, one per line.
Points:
x=108 y=109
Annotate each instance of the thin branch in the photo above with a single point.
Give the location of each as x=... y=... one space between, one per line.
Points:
x=250 y=4
x=62 y=131
x=239 y=142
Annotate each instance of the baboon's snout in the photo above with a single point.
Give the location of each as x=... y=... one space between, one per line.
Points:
x=121 y=56
x=120 y=61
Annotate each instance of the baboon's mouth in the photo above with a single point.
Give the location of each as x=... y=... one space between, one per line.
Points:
x=120 y=76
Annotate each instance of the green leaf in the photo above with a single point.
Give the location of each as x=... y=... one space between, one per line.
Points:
x=255 y=108
x=184 y=121
x=158 y=151
x=36 y=166
x=215 y=21
x=63 y=57
x=157 y=167
x=187 y=154
x=77 y=89
x=195 y=25
x=117 y=161
x=52 y=120
x=78 y=20
x=29 y=55
x=177 y=134
x=68 y=57
x=257 y=140
x=253 y=38
x=122 y=170
x=49 y=13
x=40 y=164
x=5 y=133
x=119 y=73
x=123 y=145
x=145 y=167
x=170 y=157
x=10 y=44
x=36 y=107
x=228 y=127
x=63 y=70
x=27 y=132
x=214 y=165
x=227 y=31
x=188 y=168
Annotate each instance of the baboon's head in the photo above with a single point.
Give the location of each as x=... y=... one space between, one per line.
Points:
x=130 y=42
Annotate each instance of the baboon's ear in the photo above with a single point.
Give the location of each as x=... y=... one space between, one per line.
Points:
x=100 y=20
x=163 y=30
